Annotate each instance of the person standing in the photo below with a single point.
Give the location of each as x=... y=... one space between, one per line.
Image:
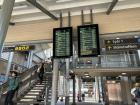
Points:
x=13 y=83
x=83 y=96
x=136 y=94
x=41 y=73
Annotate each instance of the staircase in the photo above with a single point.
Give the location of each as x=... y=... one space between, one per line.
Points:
x=36 y=94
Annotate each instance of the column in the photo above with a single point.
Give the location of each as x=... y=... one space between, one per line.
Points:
x=79 y=86
x=30 y=60
x=126 y=90
x=5 y=17
x=97 y=88
x=54 y=82
x=67 y=83
x=10 y=59
x=73 y=77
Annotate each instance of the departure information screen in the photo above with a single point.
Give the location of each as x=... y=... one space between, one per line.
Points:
x=62 y=42
x=88 y=40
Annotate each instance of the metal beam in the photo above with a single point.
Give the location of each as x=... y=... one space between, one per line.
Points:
x=5 y=17
x=44 y=10
x=38 y=57
x=112 y=5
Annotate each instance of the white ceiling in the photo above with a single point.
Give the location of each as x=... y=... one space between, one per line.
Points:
x=24 y=11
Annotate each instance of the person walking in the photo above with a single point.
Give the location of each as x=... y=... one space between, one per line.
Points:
x=136 y=94
x=41 y=73
x=13 y=84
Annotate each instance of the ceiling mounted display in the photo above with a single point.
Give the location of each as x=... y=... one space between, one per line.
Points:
x=62 y=42
x=88 y=41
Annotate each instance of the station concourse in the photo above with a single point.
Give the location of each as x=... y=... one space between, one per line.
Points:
x=70 y=52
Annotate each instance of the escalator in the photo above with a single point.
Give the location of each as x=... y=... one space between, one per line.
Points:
x=31 y=92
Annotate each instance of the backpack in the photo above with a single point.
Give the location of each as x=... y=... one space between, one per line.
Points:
x=137 y=93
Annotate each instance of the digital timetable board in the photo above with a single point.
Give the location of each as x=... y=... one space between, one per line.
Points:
x=88 y=40
x=62 y=42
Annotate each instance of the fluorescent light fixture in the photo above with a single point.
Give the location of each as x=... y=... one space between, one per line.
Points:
x=61 y=1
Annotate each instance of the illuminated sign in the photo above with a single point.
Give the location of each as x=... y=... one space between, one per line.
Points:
x=19 y=48
x=88 y=40
x=122 y=44
x=62 y=42
x=24 y=48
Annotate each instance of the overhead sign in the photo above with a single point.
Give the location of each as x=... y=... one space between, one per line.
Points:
x=19 y=48
x=62 y=42
x=24 y=48
x=122 y=44
x=88 y=40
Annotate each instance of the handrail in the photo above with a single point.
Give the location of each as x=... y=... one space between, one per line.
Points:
x=28 y=73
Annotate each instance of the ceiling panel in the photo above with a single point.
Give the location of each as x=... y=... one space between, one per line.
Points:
x=24 y=11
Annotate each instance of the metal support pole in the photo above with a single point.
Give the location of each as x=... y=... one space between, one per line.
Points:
x=30 y=60
x=97 y=89
x=10 y=59
x=91 y=16
x=73 y=77
x=54 y=81
x=80 y=86
x=69 y=19
x=67 y=83
x=61 y=20
x=5 y=17
x=82 y=17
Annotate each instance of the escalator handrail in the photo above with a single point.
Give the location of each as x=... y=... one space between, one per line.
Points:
x=22 y=76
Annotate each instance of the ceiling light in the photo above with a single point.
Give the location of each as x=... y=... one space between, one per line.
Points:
x=117 y=38
x=124 y=73
x=88 y=61
x=86 y=73
x=136 y=36
x=87 y=76
x=120 y=76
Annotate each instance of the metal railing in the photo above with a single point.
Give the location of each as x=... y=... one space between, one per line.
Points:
x=108 y=61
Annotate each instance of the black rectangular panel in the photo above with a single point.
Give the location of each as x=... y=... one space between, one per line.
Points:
x=62 y=42
x=88 y=41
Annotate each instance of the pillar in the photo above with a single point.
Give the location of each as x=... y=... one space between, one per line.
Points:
x=126 y=90
x=73 y=77
x=54 y=82
x=10 y=59
x=5 y=17
x=30 y=59
x=97 y=88
x=67 y=83
x=79 y=86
